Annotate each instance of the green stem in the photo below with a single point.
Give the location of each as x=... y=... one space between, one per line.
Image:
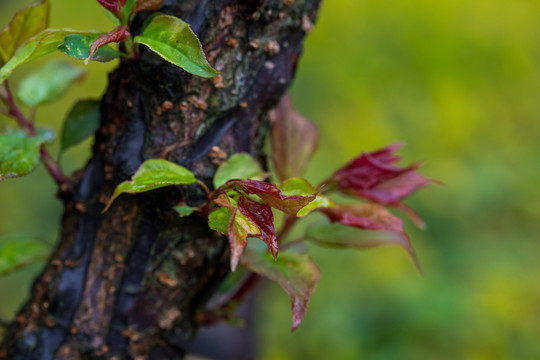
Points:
x=130 y=51
x=206 y=189
x=327 y=185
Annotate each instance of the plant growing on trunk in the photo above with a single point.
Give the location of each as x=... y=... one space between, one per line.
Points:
x=178 y=189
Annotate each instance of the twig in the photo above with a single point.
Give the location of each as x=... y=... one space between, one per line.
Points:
x=287 y=226
x=203 y=185
x=13 y=110
x=292 y=243
x=52 y=167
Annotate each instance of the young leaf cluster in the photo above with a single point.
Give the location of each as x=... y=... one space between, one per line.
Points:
x=242 y=204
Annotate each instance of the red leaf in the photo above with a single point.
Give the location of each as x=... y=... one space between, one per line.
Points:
x=386 y=155
x=393 y=190
x=118 y=34
x=368 y=170
x=146 y=5
x=262 y=216
x=364 y=216
x=111 y=5
x=271 y=195
x=371 y=217
x=294 y=139
x=238 y=230
x=374 y=176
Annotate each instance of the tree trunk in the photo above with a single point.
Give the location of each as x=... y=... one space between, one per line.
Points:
x=127 y=284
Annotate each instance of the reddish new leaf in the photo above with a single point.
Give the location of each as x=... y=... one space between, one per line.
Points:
x=238 y=229
x=368 y=170
x=371 y=217
x=374 y=176
x=364 y=216
x=146 y=5
x=393 y=190
x=297 y=274
x=237 y=238
x=271 y=195
x=118 y=34
x=386 y=155
x=111 y=5
x=261 y=215
x=294 y=140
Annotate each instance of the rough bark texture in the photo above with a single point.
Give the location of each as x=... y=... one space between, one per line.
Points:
x=127 y=284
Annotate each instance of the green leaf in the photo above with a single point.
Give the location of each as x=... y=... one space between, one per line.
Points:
x=78 y=46
x=219 y=219
x=184 y=210
x=48 y=83
x=81 y=122
x=25 y=24
x=19 y=153
x=16 y=252
x=300 y=186
x=40 y=45
x=297 y=274
x=173 y=40
x=238 y=166
x=154 y=174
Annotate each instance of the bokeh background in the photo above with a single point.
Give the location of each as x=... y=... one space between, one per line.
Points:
x=459 y=82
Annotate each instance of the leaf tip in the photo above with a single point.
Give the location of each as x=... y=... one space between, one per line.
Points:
x=234 y=262
x=107 y=206
x=297 y=320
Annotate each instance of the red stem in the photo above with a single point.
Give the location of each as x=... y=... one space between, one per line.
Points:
x=13 y=110
x=52 y=167
x=287 y=226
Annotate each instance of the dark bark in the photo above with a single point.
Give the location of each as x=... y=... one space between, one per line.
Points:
x=128 y=283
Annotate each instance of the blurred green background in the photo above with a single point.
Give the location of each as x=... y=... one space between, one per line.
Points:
x=459 y=82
